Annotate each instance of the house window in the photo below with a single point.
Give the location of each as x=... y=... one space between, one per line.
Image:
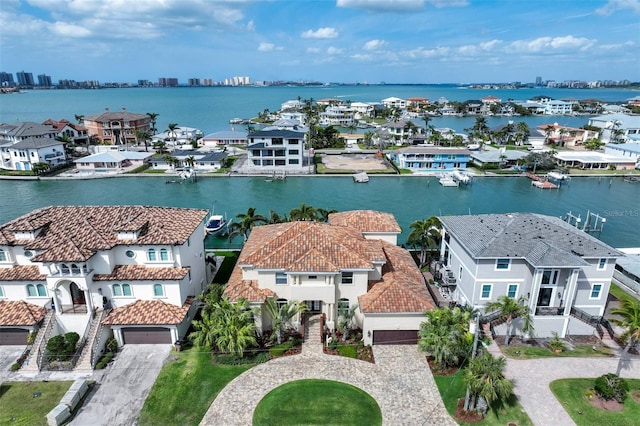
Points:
x=347 y=278
x=486 y=291
x=117 y=290
x=3 y=256
x=503 y=264
x=27 y=253
x=74 y=269
x=121 y=290
x=602 y=264
x=130 y=254
x=1 y=292
x=313 y=277
x=343 y=307
x=158 y=291
x=460 y=274
x=281 y=302
x=151 y=255
x=596 y=290
x=512 y=291
x=36 y=290
x=281 y=278
x=64 y=269
x=164 y=255
x=550 y=277
x=126 y=290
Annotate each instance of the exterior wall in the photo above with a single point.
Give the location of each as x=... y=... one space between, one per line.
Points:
x=17 y=290
x=390 y=238
x=395 y=321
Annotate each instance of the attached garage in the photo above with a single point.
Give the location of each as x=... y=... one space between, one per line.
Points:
x=395 y=337
x=146 y=335
x=13 y=336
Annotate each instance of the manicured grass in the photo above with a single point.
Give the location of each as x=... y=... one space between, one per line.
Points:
x=570 y=393
x=582 y=351
x=17 y=401
x=452 y=388
x=620 y=294
x=225 y=270
x=317 y=402
x=186 y=388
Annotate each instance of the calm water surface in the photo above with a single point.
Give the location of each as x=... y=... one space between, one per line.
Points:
x=408 y=198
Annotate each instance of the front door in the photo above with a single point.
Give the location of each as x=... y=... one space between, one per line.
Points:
x=315 y=306
x=77 y=295
x=544 y=297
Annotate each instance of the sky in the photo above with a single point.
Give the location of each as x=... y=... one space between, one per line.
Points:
x=345 y=41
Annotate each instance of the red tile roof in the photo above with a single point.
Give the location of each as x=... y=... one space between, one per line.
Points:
x=366 y=221
x=142 y=273
x=148 y=312
x=20 y=313
x=21 y=273
x=76 y=233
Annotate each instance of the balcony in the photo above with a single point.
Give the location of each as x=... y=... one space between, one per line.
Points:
x=549 y=310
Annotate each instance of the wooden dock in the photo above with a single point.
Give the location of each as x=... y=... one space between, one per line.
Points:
x=540 y=182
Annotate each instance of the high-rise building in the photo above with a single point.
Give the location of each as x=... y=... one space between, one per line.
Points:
x=194 y=82
x=25 y=78
x=6 y=79
x=538 y=81
x=167 y=82
x=44 y=80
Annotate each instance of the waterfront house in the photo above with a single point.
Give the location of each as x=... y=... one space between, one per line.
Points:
x=617 y=127
x=430 y=159
x=630 y=150
x=64 y=128
x=362 y=110
x=593 y=160
x=394 y=102
x=225 y=138
x=181 y=136
x=565 y=136
x=131 y=271
x=112 y=161
x=497 y=158
x=563 y=273
x=269 y=151
x=116 y=128
x=338 y=115
x=24 y=144
x=399 y=131
x=352 y=260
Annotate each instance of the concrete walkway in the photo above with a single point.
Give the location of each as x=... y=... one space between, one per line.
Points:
x=532 y=378
x=400 y=381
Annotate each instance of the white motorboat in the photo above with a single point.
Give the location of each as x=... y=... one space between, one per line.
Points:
x=217 y=224
x=557 y=175
x=361 y=177
x=448 y=181
x=461 y=177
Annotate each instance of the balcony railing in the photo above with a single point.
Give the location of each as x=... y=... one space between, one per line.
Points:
x=549 y=310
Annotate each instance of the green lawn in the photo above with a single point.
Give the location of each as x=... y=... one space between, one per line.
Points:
x=186 y=388
x=317 y=402
x=452 y=388
x=582 y=351
x=620 y=294
x=18 y=401
x=570 y=393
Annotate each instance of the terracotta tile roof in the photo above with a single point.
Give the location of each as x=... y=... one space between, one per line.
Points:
x=148 y=312
x=366 y=221
x=142 y=273
x=21 y=273
x=238 y=288
x=401 y=289
x=75 y=233
x=19 y=312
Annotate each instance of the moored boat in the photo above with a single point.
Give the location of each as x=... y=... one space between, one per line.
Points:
x=557 y=175
x=217 y=224
x=461 y=176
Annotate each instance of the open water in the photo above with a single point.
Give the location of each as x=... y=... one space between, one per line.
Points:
x=409 y=198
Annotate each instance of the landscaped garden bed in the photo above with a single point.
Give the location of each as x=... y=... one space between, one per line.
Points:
x=352 y=347
x=573 y=346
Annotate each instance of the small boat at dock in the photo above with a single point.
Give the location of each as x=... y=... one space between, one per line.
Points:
x=448 y=181
x=461 y=176
x=361 y=177
x=217 y=224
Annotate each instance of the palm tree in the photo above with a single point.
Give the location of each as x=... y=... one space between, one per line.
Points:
x=445 y=335
x=304 y=212
x=629 y=313
x=171 y=130
x=425 y=233
x=485 y=379
x=152 y=117
x=512 y=308
x=323 y=214
x=143 y=136
x=274 y=217
x=79 y=118
x=345 y=320
x=160 y=147
x=282 y=314
x=190 y=161
x=247 y=221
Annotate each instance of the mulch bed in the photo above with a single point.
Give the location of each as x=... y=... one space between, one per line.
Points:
x=438 y=370
x=603 y=404
x=470 y=416
x=518 y=342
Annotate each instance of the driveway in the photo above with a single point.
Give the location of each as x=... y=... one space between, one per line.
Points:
x=8 y=356
x=122 y=387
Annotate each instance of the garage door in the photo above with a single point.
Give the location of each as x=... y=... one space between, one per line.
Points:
x=13 y=336
x=395 y=337
x=146 y=335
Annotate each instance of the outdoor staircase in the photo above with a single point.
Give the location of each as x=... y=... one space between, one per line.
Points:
x=312 y=340
x=33 y=362
x=85 y=362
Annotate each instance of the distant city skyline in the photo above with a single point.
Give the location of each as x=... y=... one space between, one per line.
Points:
x=343 y=41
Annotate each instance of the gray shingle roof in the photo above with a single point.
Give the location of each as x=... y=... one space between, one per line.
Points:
x=543 y=241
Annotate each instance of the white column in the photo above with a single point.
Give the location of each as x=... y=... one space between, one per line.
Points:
x=535 y=289
x=570 y=292
x=56 y=301
x=88 y=300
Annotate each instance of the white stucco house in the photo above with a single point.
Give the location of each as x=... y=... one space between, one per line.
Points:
x=24 y=144
x=271 y=151
x=127 y=271
x=563 y=273
x=351 y=260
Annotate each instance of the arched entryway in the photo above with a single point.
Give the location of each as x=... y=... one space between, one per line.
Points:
x=77 y=295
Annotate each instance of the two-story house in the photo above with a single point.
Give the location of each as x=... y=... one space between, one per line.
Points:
x=352 y=260
x=562 y=272
x=24 y=144
x=116 y=127
x=429 y=159
x=276 y=150
x=133 y=269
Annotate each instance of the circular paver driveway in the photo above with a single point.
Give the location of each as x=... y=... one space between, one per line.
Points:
x=400 y=381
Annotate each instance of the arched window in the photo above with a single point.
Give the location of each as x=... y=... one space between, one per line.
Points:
x=1 y=292
x=281 y=303
x=151 y=255
x=3 y=256
x=158 y=290
x=64 y=269
x=126 y=290
x=164 y=255
x=38 y=290
x=117 y=290
x=42 y=290
x=343 y=307
x=31 y=290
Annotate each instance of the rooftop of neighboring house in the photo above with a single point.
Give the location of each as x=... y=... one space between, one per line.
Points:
x=60 y=124
x=433 y=150
x=366 y=221
x=25 y=129
x=31 y=143
x=543 y=241
x=276 y=133
x=123 y=115
x=76 y=233
x=20 y=313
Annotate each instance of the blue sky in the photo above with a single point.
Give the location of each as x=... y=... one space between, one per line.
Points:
x=349 y=41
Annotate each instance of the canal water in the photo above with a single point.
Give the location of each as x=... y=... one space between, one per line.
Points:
x=409 y=198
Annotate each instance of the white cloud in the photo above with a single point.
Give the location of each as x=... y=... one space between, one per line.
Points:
x=326 y=32
x=374 y=44
x=448 y=3
x=69 y=30
x=614 y=6
x=550 y=45
x=313 y=50
x=401 y=6
x=333 y=50
x=269 y=47
x=362 y=57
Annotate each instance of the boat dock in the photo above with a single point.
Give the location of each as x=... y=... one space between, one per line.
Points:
x=540 y=182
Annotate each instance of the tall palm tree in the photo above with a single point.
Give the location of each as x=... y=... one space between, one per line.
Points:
x=445 y=335
x=190 y=161
x=485 y=379
x=281 y=315
x=304 y=212
x=152 y=117
x=629 y=313
x=426 y=234
x=274 y=217
x=171 y=130
x=143 y=136
x=345 y=321
x=323 y=214
x=79 y=118
x=511 y=309
x=245 y=223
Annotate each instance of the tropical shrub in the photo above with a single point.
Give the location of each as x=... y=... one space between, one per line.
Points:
x=61 y=347
x=556 y=344
x=610 y=386
x=348 y=351
x=279 y=350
